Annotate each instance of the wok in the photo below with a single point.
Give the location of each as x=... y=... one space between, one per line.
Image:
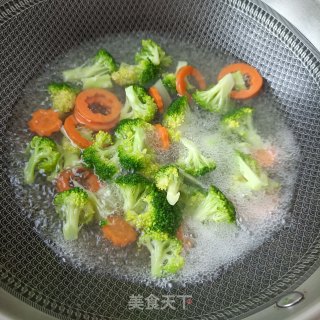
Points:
x=33 y=32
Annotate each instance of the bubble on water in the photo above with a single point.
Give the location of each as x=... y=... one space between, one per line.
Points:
x=216 y=246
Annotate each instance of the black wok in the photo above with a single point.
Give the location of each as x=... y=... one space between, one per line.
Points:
x=33 y=32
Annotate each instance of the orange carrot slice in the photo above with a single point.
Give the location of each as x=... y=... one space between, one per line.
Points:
x=83 y=176
x=98 y=105
x=95 y=126
x=179 y=233
x=185 y=240
x=154 y=93
x=45 y=122
x=255 y=80
x=70 y=126
x=163 y=135
x=119 y=231
x=64 y=181
x=265 y=157
x=181 y=84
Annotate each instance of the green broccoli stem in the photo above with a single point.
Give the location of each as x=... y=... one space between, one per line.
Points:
x=239 y=83
x=131 y=197
x=70 y=159
x=254 y=182
x=73 y=74
x=81 y=72
x=252 y=136
x=254 y=140
x=71 y=224
x=173 y=193
x=100 y=81
x=191 y=179
x=156 y=250
x=139 y=140
x=193 y=157
x=54 y=174
x=126 y=111
x=29 y=170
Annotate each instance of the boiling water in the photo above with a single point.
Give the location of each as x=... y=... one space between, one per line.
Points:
x=215 y=245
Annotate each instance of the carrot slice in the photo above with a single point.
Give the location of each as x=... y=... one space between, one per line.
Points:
x=45 y=122
x=91 y=182
x=154 y=93
x=185 y=240
x=163 y=135
x=98 y=105
x=83 y=176
x=95 y=126
x=70 y=125
x=119 y=231
x=255 y=80
x=265 y=157
x=181 y=84
x=64 y=181
x=179 y=233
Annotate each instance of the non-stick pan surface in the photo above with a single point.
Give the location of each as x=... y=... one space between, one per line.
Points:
x=35 y=32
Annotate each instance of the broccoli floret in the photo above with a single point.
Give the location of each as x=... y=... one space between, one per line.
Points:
x=102 y=156
x=138 y=104
x=169 y=81
x=99 y=66
x=176 y=112
x=168 y=179
x=194 y=162
x=99 y=81
x=240 y=123
x=70 y=154
x=216 y=99
x=153 y=52
x=213 y=206
x=191 y=197
x=150 y=170
x=175 y=116
x=63 y=96
x=192 y=192
x=157 y=214
x=206 y=205
x=126 y=127
x=75 y=209
x=126 y=75
x=133 y=150
x=133 y=155
x=146 y=71
x=44 y=157
x=251 y=175
x=70 y=157
x=165 y=252
x=141 y=74
x=139 y=221
x=134 y=188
